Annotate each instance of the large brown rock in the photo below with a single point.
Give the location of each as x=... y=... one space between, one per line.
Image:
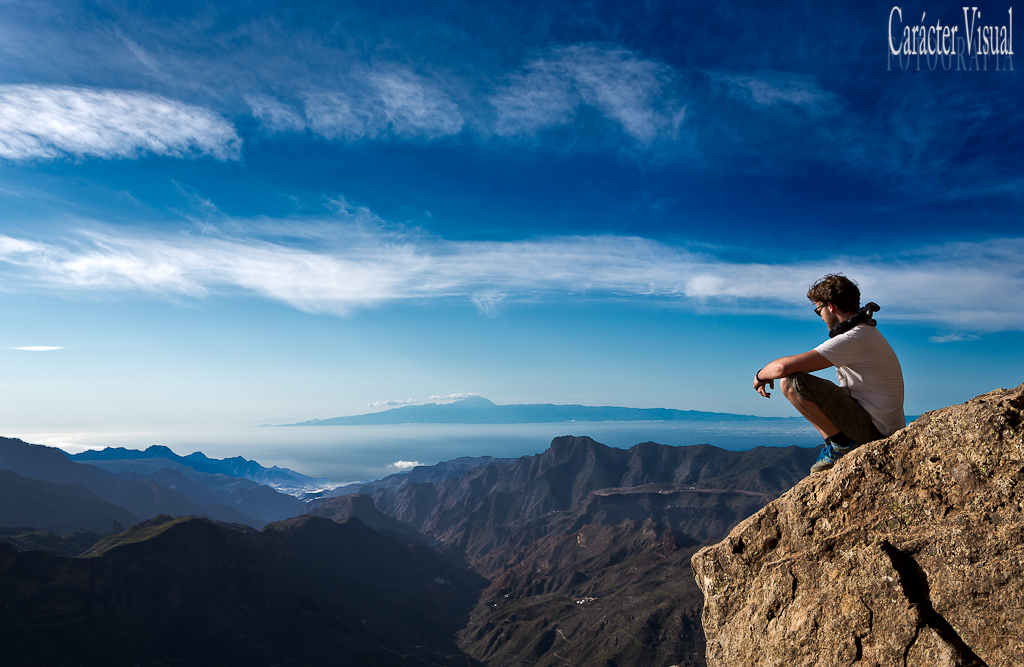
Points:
x=909 y=552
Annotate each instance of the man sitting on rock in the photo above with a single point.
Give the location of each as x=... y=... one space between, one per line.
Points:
x=868 y=403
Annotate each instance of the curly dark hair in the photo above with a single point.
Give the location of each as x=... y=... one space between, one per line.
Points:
x=838 y=289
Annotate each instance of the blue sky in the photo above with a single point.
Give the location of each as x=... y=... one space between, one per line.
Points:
x=225 y=213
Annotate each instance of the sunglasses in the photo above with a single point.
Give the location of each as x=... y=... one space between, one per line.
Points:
x=817 y=310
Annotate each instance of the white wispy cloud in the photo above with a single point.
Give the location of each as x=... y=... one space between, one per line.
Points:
x=626 y=89
x=633 y=93
x=953 y=338
x=405 y=465
x=489 y=302
x=454 y=397
x=533 y=100
x=766 y=121
x=54 y=121
x=387 y=101
x=355 y=266
x=770 y=88
x=415 y=107
x=39 y=348
x=392 y=401
x=274 y=115
x=140 y=54
x=594 y=88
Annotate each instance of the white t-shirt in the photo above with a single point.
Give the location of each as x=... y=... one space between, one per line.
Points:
x=870 y=372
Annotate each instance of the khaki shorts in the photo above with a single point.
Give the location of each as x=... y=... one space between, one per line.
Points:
x=844 y=410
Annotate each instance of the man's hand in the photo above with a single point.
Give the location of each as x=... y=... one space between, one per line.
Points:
x=759 y=387
x=808 y=362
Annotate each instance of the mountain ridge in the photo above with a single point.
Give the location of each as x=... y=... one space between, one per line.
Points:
x=283 y=480
x=163 y=491
x=583 y=541
x=587 y=546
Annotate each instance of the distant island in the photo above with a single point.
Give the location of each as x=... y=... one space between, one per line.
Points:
x=479 y=410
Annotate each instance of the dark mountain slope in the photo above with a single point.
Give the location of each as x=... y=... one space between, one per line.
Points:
x=165 y=491
x=32 y=539
x=423 y=474
x=602 y=595
x=463 y=513
x=588 y=547
x=142 y=498
x=61 y=508
x=360 y=506
x=226 y=498
x=306 y=591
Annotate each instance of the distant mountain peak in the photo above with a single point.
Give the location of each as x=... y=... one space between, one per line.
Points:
x=474 y=400
x=160 y=451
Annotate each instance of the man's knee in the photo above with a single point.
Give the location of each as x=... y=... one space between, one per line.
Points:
x=790 y=386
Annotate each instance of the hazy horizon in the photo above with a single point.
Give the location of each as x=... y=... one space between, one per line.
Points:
x=356 y=453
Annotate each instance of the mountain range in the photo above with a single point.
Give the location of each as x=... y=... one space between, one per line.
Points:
x=147 y=461
x=479 y=410
x=580 y=554
x=128 y=496
x=586 y=542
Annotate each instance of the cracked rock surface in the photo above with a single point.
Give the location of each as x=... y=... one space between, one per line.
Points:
x=909 y=552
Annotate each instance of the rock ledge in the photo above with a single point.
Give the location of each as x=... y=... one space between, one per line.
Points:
x=909 y=552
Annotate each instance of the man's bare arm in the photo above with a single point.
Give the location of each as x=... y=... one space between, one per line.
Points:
x=808 y=362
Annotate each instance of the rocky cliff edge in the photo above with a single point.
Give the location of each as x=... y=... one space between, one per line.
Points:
x=909 y=552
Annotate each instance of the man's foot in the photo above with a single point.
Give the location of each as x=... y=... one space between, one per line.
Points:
x=828 y=457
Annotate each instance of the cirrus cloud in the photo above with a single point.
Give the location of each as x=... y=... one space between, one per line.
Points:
x=40 y=122
x=631 y=91
x=384 y=102
x=770 y=88
x=355 y=266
